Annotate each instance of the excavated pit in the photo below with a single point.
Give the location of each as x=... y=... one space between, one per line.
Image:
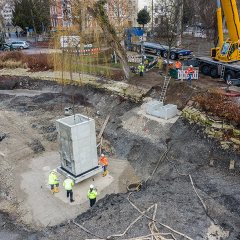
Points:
x=142 y=142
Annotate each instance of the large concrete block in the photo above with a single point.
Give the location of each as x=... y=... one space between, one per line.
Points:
x=77 y=140
x=152 y=106
x=166 y=112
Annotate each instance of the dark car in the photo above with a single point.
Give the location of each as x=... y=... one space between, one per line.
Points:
x=6 y=47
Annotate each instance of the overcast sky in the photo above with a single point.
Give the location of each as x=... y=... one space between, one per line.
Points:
x=142 y=3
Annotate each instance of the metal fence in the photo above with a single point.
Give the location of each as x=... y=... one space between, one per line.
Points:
x=183 y=73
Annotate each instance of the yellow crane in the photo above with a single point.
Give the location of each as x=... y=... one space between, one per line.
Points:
x=227 y=50
x=224 y=60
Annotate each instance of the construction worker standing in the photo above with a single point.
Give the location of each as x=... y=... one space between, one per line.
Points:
x=68 y=185
x=92 y=195
x=103 y=161
x=178 y=65
x=190 y=73
x=160 y=63
x=53 y=181
x=141 y=69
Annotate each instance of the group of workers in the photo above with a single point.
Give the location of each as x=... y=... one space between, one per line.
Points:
x=178 y=66
x=68 y=183
x=189 y=73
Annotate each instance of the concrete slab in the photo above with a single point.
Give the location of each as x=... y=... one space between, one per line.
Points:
x=159 y=120
x=41 y=208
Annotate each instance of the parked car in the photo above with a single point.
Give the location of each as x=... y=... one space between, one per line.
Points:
x=20 y=45
x=6 y=47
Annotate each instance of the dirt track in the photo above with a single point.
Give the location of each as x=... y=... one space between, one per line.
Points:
x=137 y=139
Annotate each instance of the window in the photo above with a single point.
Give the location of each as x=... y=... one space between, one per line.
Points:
x=225 y=48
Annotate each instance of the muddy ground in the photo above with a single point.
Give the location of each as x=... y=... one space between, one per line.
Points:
x=129 y=136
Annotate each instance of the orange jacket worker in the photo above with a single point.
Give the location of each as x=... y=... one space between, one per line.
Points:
x=178 y=65
x=190 y=73
x=104 y=162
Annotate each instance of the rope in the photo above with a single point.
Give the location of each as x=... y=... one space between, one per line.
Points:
x=177 y=232
x=86 y=230
x=195 y=190
x=139 y=217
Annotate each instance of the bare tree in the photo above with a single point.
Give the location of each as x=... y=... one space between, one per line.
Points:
x=2 y=30
x=95 y=15
x=207 y=15
x=98 y=12
x=167 y=29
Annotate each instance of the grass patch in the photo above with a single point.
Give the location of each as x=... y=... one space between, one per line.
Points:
x=12 y=64
x=36 y=62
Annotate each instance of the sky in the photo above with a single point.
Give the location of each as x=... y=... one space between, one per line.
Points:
x=142 y=3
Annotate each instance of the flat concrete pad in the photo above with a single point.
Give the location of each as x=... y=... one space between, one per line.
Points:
x=42 y=208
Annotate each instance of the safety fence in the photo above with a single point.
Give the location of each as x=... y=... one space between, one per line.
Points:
x=183 y=73
x=90 y=51
x=134 y=59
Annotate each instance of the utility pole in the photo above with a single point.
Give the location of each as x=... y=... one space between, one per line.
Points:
x=152 y=17
x=179 y=4
x=2 y=32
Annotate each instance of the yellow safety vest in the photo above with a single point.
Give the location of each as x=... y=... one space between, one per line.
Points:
x=92 y=194
x=68 y=184
x=52 y=179
x=141 y=68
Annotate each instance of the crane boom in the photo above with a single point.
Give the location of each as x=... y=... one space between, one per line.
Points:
x=228 y=50
x=230 y=11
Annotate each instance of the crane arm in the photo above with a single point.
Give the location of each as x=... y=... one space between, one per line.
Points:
x=230 y=11
x=220 y=23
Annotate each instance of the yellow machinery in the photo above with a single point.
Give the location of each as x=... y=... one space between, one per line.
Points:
x=228 y=50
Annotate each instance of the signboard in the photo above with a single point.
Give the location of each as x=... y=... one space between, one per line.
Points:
x=70 y=41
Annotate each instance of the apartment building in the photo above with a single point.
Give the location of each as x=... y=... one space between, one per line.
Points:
x=7 y=13
x=60 y=13
x=120 y=12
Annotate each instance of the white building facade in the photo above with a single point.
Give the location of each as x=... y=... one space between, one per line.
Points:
x=7 y=13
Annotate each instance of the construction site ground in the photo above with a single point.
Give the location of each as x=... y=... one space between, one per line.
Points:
x=30 y=103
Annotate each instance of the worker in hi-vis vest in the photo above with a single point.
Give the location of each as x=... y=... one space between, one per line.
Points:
x=68 y=185
x=53 y=181
x=103 y=161
x=141 y=69
x=190 y=73
x=92 y=195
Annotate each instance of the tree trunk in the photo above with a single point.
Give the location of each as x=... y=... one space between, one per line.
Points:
x=179 y=25
x=98 y=12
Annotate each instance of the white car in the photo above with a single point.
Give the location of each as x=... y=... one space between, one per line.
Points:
x=20 y=45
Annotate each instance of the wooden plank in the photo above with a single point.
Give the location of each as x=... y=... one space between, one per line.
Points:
x=104 y=126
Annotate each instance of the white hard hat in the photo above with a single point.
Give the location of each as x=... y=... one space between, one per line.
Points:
x=91 y=186
x=54 y=171
x=191 y=66
x=102 y=155
x=68 y=175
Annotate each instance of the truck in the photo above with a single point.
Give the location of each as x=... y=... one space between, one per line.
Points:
x=163 y=50
x=135 y=41
x=224 y=59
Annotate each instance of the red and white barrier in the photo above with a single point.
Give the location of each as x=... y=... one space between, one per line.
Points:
x=183 y=74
